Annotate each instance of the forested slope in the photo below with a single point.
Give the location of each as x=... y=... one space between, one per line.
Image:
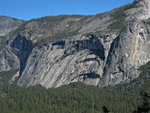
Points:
x=75 y=97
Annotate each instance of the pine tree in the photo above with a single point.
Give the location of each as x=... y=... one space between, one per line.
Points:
x=105 y=109
x=145 y=107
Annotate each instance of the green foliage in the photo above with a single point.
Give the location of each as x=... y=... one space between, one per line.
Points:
x=145 y=68
x=55 y=19
x=57 y=36
x=73 y=98
x=145 y=74
x=50 y=22
x=3 y=42
x=6 y=75
x=118 y=15
x=48 y=28
x=120 y=12
x=145 y=106
x=20 y=29
x=119 y=25
x=105 y=110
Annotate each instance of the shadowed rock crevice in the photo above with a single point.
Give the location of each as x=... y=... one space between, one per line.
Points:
x=22 y=47
x=90 y=75
x=60 y=43
x=92 y=44
x=91 y=59
x=111 y=52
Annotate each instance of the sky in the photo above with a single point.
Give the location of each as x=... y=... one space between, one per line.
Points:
x=29 y=9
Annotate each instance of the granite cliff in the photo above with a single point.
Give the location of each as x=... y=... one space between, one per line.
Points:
x=104 y=49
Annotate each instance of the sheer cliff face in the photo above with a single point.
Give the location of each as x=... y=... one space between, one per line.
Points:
x=78 y=59
x=142 y=9
x=54 y=51
x=128 y=52
x=8 y=60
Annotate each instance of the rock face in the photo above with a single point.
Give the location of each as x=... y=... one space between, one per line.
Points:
x=78 y=59
x=8 y=25
x=142 y=9
x=87 y=49
x=8 y=60
x=128 y=51
x=22 y=47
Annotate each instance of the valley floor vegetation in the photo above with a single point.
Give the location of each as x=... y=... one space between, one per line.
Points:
x=132 y=97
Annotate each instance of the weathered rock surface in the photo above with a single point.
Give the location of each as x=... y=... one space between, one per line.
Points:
x=22 y=47
x=8 y=60
x=77 y=59
x=54 y=51
x=8 y=25
x=141 y=10
x=128 y=52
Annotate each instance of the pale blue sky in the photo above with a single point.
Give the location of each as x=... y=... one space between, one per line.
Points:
x=28 y=9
